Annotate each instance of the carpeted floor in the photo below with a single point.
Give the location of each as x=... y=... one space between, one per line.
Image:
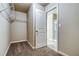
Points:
x=23 y=49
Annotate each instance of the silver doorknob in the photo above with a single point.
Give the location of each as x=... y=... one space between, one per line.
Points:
x=36 y=31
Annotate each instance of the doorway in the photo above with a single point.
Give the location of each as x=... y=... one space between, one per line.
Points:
x=52 y=28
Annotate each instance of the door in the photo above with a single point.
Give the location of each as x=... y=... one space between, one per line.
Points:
x=40 y=29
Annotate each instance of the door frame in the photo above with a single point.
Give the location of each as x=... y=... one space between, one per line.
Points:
x=51 y=8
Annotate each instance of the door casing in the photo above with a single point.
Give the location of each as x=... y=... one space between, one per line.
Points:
x=55 y=6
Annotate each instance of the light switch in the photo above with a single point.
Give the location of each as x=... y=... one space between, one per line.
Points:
x=59 y=25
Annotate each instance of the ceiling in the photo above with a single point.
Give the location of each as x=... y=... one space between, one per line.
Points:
x=23 y=7
x=44 y=4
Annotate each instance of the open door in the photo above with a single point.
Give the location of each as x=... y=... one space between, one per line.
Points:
x=41 y=40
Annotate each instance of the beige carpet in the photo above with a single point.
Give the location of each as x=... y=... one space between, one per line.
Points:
x=23 y=49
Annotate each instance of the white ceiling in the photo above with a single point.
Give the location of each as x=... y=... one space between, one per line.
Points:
x=23 y=7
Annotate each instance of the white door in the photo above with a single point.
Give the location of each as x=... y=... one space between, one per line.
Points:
x=40 y=29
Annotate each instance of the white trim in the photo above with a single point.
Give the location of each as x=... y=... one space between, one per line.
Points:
x=22 y=41
x=51 y=7
x=62 y=53
x=17 y=41
x=30 y=45
x=7 y=50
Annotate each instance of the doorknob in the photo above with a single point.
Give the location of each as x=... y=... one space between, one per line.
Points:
x=36 y=31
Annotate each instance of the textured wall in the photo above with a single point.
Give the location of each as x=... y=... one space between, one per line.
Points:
x=30 y=26
x=69 y=30
x=4 y=29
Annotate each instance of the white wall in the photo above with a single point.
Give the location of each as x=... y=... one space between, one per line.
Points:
x=4 y=35
x=30 y=26
x=19 y=28
x=68 y=40
x=4 y=29
x=69 y=30
x=21 y=16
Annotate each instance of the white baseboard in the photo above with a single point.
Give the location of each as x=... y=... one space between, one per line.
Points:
x=62 y=53
x=7 y=50
x=22 y=41
x=30 y=45
x=17 y=41
x=10 y=44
